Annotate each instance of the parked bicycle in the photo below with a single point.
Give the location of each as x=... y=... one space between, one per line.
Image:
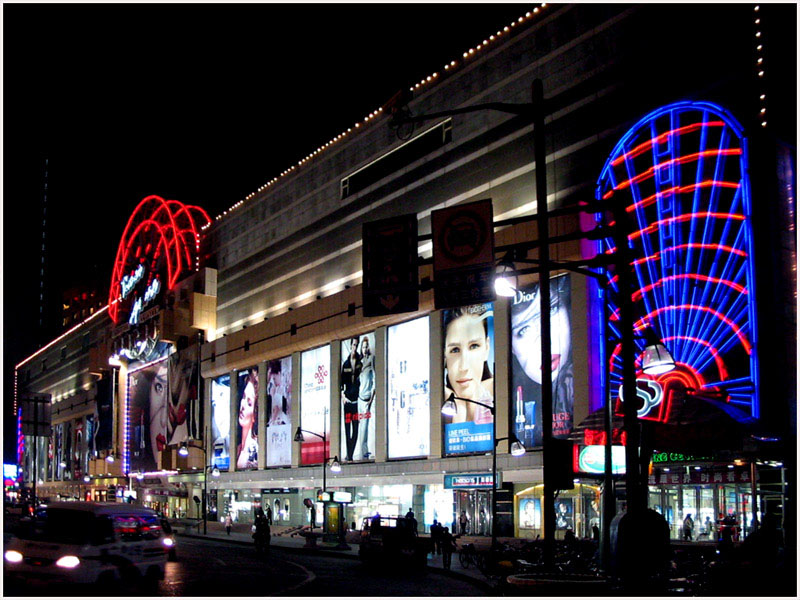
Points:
x=468 y=556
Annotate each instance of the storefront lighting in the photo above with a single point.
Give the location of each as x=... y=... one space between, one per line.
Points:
x=140 y=476
x=336 y=467
x=86 y=478
x=62 y=464
x=110 y=458
x=183 y=450
x=215 y=472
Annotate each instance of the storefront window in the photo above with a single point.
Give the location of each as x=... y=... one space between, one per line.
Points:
x=388 y=500
x=439 y=505
x=705 y=515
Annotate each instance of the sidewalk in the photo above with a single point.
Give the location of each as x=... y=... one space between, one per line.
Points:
x=296 y=543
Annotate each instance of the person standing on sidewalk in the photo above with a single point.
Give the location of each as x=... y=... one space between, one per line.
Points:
x=448 y=546
x=436 y=537
x=463 y=521
x=228 y=523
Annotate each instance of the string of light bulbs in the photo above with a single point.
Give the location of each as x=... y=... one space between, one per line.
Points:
x=433 y=77
x=762 y=98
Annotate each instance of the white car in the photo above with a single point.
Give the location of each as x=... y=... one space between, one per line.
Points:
x=88 y=542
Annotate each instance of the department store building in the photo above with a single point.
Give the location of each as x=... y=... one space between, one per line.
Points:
x=275 y=313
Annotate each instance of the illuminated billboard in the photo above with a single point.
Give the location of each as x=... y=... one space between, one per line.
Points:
x=183 y=420
x=681 y=173
x=408 y=402
x=279 y=412
x=315 y=396
x=247 y=419
x=148 y=390
x=221 y=421
x=468 y=339
x=357 y=390
x=526 y=362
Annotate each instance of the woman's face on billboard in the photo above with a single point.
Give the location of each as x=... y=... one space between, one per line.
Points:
x=158 y=410
x=466 y=351
x=526 y=336
x=246 y=406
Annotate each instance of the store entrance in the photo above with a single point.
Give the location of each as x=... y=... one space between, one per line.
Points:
x=477 y=505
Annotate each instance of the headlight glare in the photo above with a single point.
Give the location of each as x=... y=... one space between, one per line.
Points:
x=169 y=542
x=13 y=556
x=68 y=561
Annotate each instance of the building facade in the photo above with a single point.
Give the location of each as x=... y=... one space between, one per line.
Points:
x=287 y=345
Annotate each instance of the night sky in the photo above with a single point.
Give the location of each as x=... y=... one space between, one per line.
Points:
x=197 y=103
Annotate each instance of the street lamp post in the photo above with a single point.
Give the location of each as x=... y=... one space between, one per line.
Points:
x=517 y=449
x=184 y=451
x=335 y=465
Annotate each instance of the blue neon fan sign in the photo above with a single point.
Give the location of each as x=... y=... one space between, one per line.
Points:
x=682 y=174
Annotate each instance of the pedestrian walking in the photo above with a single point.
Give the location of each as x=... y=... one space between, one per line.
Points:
x=448 y=546
x=269 y=515
x=228 y=523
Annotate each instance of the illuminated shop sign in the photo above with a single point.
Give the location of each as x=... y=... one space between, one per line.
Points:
x=682 y=175
x=470 y=481
x=592 y=459
x=677 y=457
x=160 y=244
x=346 y=497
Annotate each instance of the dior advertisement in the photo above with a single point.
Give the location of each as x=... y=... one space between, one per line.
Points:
x=526 y=362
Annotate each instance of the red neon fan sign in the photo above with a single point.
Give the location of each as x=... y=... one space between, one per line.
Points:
x=161 y=241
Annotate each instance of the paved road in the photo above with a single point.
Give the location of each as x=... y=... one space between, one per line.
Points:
x=219 y=568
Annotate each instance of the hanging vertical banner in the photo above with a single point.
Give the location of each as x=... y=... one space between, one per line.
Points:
x=389 y=262
x=357 y=387
x=526 y=362
x=221 y=421
x=279 y=412
x=247 y=426
x=105 y=413
x=409 y=400
x=468 y=337
x=184 y=403
x=315 y=396
x=463 y=254
x=148 y=392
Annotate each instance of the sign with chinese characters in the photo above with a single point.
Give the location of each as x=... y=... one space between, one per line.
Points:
x=703 y=476
x=463 y=481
